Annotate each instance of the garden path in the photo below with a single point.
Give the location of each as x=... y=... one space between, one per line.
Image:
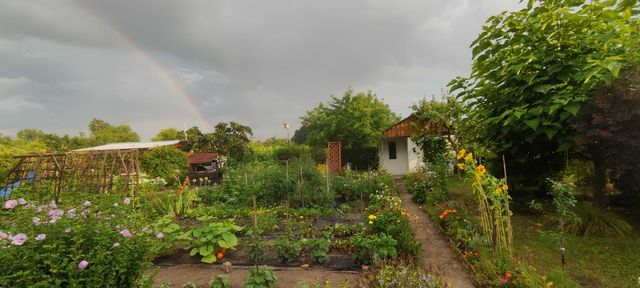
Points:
x=437 y=255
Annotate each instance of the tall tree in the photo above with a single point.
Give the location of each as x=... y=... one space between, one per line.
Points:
x=535 y=68
x=356 y=120
x=609 y=128
x=102 y=132
x=446 y=116
x=168 y=134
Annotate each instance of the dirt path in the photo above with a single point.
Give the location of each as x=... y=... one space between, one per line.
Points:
x=437 y=255
x=200 y=274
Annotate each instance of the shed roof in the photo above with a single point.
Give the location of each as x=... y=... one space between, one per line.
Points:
x=203 y=157
x=411 y=126
x=407 y=127
x=129 y=146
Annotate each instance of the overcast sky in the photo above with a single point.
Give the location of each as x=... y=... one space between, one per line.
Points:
x=158 y=64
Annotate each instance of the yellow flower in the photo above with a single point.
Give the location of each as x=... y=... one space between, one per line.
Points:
x=468 y=157
x=505 y=187
x=301 y=217
x=372 y=217
x=370 y=222
x=481 y=170
x=460 y=166
x=461 y=154
x=498 y=190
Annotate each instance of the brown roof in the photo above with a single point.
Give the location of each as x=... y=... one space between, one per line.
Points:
x=411 y=126
x=203 y=157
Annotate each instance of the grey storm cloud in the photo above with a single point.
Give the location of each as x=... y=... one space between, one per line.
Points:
x=260 y=63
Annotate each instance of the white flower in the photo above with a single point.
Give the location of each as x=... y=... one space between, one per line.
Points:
x=35 y=221
x=21 y=201
x=86 y=203
x=115 y=245
x=53 y=205
x=41 y=237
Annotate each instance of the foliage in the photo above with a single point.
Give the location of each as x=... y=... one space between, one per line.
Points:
x=211 y=238
x=168 y=134
x=261 y=277
x=492 y=198
x=394 y=224
x=220 y=281
x=318 y=249
x=228 y=139
x=102 y=132
x=564 y=201
x=359 y=186
x=536 y=68
x=426 y=186
x=189 y=285
x=373 y=248
x=560 y=279
x=174 y=203
x=256 y=249
x=608 y=127
x=168 y=234
x=357 y=121
x=72 y=246
x=400 y=275
x=15 y=148
x=593 y=221
x=440 y=119
x=168 y=163
x=287 y=249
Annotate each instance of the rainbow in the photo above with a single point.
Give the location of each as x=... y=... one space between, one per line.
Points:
x=158 y=68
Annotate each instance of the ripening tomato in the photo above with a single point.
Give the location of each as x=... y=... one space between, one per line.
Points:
x=220 y=255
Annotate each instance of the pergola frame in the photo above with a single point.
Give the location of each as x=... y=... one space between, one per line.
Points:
x=88 y=171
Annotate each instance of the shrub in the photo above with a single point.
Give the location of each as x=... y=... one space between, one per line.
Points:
x=392 y=223
x=369 y=249
x=220 y=281
x=287 y=249
x=257 y=248
x=168 y=163
x=399 y=275
x=318 y=249
x=596 y=222
x=74 y=247
x=261 y=277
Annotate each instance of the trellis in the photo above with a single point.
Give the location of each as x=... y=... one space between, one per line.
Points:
x=89 y=171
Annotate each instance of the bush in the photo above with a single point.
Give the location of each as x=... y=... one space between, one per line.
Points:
x=596 y=222
x=71 y=248
x=287 y=249
x=318 y=249
x=392 y=223
x=168 y=163
x=369 y=249
x=261 y=277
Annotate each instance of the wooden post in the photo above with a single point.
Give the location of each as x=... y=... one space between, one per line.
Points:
x=255 y=224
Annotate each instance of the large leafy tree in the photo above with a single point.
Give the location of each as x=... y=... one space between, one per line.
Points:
x=229 y=139
x=534 y=69
x=609 y=128
x=356 y=120
x=441 y=118
x=102 y=132
x=168 y=134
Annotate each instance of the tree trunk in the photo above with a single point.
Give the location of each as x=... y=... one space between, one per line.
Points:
x=599 y=178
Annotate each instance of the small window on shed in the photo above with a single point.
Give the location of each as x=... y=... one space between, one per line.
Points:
x=392 y=150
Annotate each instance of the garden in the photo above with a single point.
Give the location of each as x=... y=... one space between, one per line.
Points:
x=267 y=215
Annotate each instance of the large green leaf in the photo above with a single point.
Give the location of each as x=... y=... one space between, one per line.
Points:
x=209 y=258
x=533 y=123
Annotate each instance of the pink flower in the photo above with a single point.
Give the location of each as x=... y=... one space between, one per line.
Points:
x=3 y=236
x=53 y=205
x=35 y=221
x=126 y=201
x=160 y=235
x=57 y=213
x=71 y=214
x=83 y=264
x=41 y=237
x=86 y=203
x=19 y=239
x=10 y=204
x=125 y=233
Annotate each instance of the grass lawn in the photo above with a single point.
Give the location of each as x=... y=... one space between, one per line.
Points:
x=591 y=261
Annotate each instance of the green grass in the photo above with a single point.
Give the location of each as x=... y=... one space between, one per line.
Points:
x=591 y=261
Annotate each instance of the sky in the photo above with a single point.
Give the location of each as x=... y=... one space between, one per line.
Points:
x=157 y=64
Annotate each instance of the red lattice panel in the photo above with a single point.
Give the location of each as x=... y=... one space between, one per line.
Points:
x=334 y=157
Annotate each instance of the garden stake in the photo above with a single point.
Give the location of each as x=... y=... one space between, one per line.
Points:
x=255 y=223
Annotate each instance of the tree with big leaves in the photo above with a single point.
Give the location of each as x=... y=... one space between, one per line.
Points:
x=168 y=134
x=535 y=68
x=356 y=120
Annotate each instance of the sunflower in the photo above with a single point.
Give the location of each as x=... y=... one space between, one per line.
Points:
x=461 y=154
x=498 y=190
x=468 y=157
x=481 y=170
x=505 y=187
x=460 y=166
